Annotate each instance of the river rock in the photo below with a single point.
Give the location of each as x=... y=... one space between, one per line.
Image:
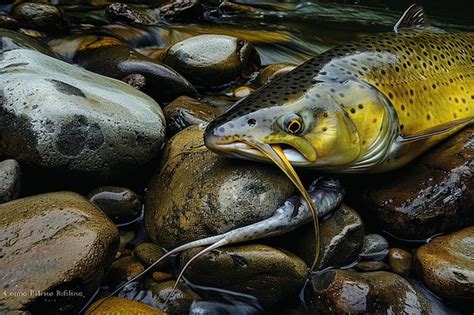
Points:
x=199 y=193
x=73 y=120
x=10 y=40
x=118 y=305
x=400 y=261
x=39 y=16
x=273 y=71
x=148 y=253
x=119 y=203
x=49 y=242
x=122 y=270
x=179 y=302
x=434 y=194
x=380 y=292
x=119 y=62
x=9 y=180
x=186 y=111
x=182 y=10
x=446 y=266
x=8 y=22
x=343 y=232
x=269 y=274
x=121 y=12
x=213 y=60
x=375 y=246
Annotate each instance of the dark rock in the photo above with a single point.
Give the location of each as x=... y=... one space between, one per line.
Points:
x=120 y=204
x=9 y=180
x=121 y=12
x=380 y=292
x=39 y=16
x=182 y=10
x=119 y=62
x=198 y=193
x=267 y=273
x=399 y=260
x=148 y=253
x=186 y=111
x=446 y=266
x=213 y=60
x=434 y=194
x=50 y=242
x=8 y=22
x=371 y=266
x=179 y=302
x=375 y=246
x=228 y=8
x=122 y=270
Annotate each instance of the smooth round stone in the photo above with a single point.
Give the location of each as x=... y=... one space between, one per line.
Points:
x=118 y=305
x=343 y=232
x=197 y=193
x=148 y=253
x=119 y=203
x=182 y=10
x=267 y=273
x=74 y=120
x=121 y=12
x=404 y=203
x=122 y=270
x=39 y=16
x=399 y=260
x=159 y=276
x=179 y=302
x=273 y=71
x=380 y=292
x=375 y=246
x=242 y=91
x=50 y=242
x=186 y=111
x=161 y=82
x=212 y=60
x=446 y=266
x=10 y=174
x=368 y=266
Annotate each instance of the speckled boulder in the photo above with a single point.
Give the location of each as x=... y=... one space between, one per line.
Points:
x=199 y=193
x=53 y=243
x=269 y=274
x=56 y=115
x=446 y=266
x=212 y=60
x=121 y=12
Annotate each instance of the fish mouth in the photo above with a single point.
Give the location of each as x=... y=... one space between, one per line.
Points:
x=244 y=150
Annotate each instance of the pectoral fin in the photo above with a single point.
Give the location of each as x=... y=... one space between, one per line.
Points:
x=440 y=130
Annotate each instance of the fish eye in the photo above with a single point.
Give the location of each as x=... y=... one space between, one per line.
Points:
x=293 y=123
x=251 y=122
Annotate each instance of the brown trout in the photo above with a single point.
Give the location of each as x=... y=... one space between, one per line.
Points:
x=371 y=105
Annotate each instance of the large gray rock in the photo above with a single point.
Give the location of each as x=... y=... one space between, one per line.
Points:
x=56 y=115
x=9 y=180
x=50 y=244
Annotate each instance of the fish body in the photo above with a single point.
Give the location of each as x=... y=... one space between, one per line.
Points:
x=370 y=105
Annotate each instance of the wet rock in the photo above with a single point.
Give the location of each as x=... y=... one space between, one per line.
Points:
x=10 y=40
x=148 y=253
x=347 y=292
x=159 y=276
x=446 y=266
x=186 y=111
x=8 y=22
x=73 y=120
x=39 y=16
x=182 y=10
x=120 y=204
x=242 y=91
x=9 y=180
x=50 y=242
x=155 y=53
x=227 y=7
x=273 y=71
x=372 y=266
x=199 y=193
x=375 y=246
x=118 y=305
x=125 y=239
x=343 y=232
x=399 y=260
x=432 y=195
x=119 y=62
x=123 y=269
x=267 y=273
x=212 y=60
x=121 y=12
x=179 y=302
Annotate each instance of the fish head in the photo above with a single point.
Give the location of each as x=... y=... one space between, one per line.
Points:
x=311 y=128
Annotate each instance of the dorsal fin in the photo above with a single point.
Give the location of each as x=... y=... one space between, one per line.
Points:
x=414 y=16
